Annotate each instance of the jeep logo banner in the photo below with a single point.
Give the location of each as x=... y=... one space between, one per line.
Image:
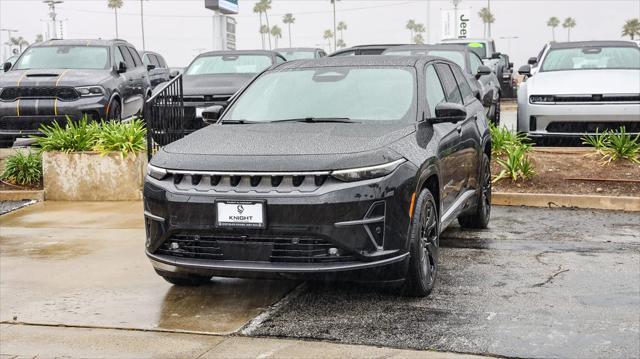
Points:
x=456 y=24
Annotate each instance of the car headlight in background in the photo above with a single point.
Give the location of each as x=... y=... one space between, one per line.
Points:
x=156 y=172
x=542 y=99
x=363 y=173
x=89 y=91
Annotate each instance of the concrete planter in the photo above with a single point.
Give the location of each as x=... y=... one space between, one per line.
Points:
x=89 y=176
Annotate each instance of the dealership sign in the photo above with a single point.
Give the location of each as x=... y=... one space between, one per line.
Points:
x=224 y=6
x=455 y=24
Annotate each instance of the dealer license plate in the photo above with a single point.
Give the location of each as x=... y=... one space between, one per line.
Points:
x=244 y=214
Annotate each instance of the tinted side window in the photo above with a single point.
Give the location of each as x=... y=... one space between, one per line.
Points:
x=154 y=60
x=449 y=83
x=475 y=63
x=119 y=57
x=135 y=56
x=146 y=60
x=127 y=57
x=465 y=89
x=161 y=61
x=435 y=94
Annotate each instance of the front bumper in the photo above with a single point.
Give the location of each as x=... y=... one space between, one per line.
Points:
x=334 y=227
x=576 y=120
x=25 y=116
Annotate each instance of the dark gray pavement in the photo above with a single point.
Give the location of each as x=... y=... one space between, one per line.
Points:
x=539 y=283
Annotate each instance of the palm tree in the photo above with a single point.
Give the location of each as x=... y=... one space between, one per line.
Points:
x=264 y=30
x=419 y=30
x=257 y=8
x=411 y=26
x=38 y=38
x=631 y=28
x=328 y=35
x=418 y=39
x=115 y=5
x=487 y=18
x=553 y=22
x=341 y=44
x=288 y=19
x=266 y=6
x=276 y=32
x=341 y=27
x=569 y=23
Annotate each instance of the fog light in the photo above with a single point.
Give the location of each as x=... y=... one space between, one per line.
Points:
x=334 y=252
x=174 y=245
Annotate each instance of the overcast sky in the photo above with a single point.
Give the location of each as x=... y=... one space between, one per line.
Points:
x=178 y=29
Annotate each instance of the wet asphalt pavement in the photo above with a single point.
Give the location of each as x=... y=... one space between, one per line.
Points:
x=539 y=283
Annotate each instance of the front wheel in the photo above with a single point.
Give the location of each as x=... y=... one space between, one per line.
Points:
x=114 y=111
x=425 y=240
x=480 y=217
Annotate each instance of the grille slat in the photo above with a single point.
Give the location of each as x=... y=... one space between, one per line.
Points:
x=247 y=183
x=62 y=93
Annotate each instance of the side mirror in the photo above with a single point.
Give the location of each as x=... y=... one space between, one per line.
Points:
x=122 y=67
x=525 y=70
x=496 y=55
x=449 y=112
x=6 y=66
x=483 y=70
x=174 y=73
x=212 y=114
x=511 y=65
x=476 y=94
x=150 y=67
x=532 y=61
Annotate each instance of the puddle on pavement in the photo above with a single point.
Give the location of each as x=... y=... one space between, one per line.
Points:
x=52 y=249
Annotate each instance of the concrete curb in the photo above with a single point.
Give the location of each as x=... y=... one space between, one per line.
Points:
x=549 y=200
x=19 y=195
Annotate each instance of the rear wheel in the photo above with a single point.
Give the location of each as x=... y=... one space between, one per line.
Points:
x=480 y=218
x=425 y=240
x=186 y=281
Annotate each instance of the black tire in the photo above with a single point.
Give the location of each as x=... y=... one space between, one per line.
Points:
x=496 y=113
x=424 y=235
x=115 y=111
x=190 y=281
x=480 y=218
x=7 y=142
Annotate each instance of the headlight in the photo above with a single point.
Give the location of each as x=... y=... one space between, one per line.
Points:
x=88 y=91
x=156 y=172
x=542 y=99
x=363 y=173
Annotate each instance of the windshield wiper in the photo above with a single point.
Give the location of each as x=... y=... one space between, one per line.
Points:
x=318 y=119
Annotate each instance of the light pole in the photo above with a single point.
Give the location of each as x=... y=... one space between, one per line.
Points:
x=428 y=23
x=489 y=24
x=52 y=14
x=508 y=38
x=333 y=2
x=142 y=22
x=455 y=15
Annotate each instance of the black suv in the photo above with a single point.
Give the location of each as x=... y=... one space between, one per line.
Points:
x=58 y=80
x=159 y=72
x=346 y=167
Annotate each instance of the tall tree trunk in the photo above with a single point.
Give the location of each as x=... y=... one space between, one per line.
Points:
x=289 y=25
x=115 y=10
x=568 y=34
x=266 y=16
x=260 y=30
x=553 y=33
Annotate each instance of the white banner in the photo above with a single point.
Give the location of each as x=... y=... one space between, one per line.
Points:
x=455 y=24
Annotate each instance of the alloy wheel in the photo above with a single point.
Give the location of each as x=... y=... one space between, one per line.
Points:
x=429 y=242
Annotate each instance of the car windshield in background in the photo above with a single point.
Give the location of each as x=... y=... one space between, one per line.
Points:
x=357 y=94
x=479 y=48
x=65 y=57
x=229 y=64
x=298 y=55
x=589 y=58
x=455 y=56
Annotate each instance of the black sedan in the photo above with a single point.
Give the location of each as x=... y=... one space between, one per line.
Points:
x=213 y=77
x=483 y=81
x=347 y=168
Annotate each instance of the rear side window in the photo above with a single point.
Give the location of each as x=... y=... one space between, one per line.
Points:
x=435 y=93
x=465 y=89
x=161 y=61
x=135 y=56
x=127 y=57
x=154 y=60
x=146 y=60
x=449 y=83
x=119 y=57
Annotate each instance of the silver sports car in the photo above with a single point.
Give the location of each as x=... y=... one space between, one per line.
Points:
x=581 y=87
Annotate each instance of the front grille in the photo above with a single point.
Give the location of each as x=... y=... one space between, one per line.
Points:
x=207 y=98
x=613 y=98
x=250 y=182
x=592 y=127
x=269 y=248
x=61 y=93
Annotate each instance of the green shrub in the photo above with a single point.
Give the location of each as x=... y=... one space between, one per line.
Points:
x=23 y=168
x=126 y=138
x=502 y=139
x=613 y=146
x=517 y=164
x=76 y=136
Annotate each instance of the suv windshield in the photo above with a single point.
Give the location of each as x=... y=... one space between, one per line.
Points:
x=455 y=56
x=298 y=55
x=229 y=64
x=358 y=94
x=590 y=57
x=65 y=57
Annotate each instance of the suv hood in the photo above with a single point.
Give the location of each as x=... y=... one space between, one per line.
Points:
x=283 y=147
x=214 y=84
x=579 y=82
x=54 y=77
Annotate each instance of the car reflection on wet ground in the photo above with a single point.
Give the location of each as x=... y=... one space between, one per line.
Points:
x=538 y=283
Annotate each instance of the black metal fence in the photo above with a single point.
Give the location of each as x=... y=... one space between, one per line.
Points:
x=164 y=115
